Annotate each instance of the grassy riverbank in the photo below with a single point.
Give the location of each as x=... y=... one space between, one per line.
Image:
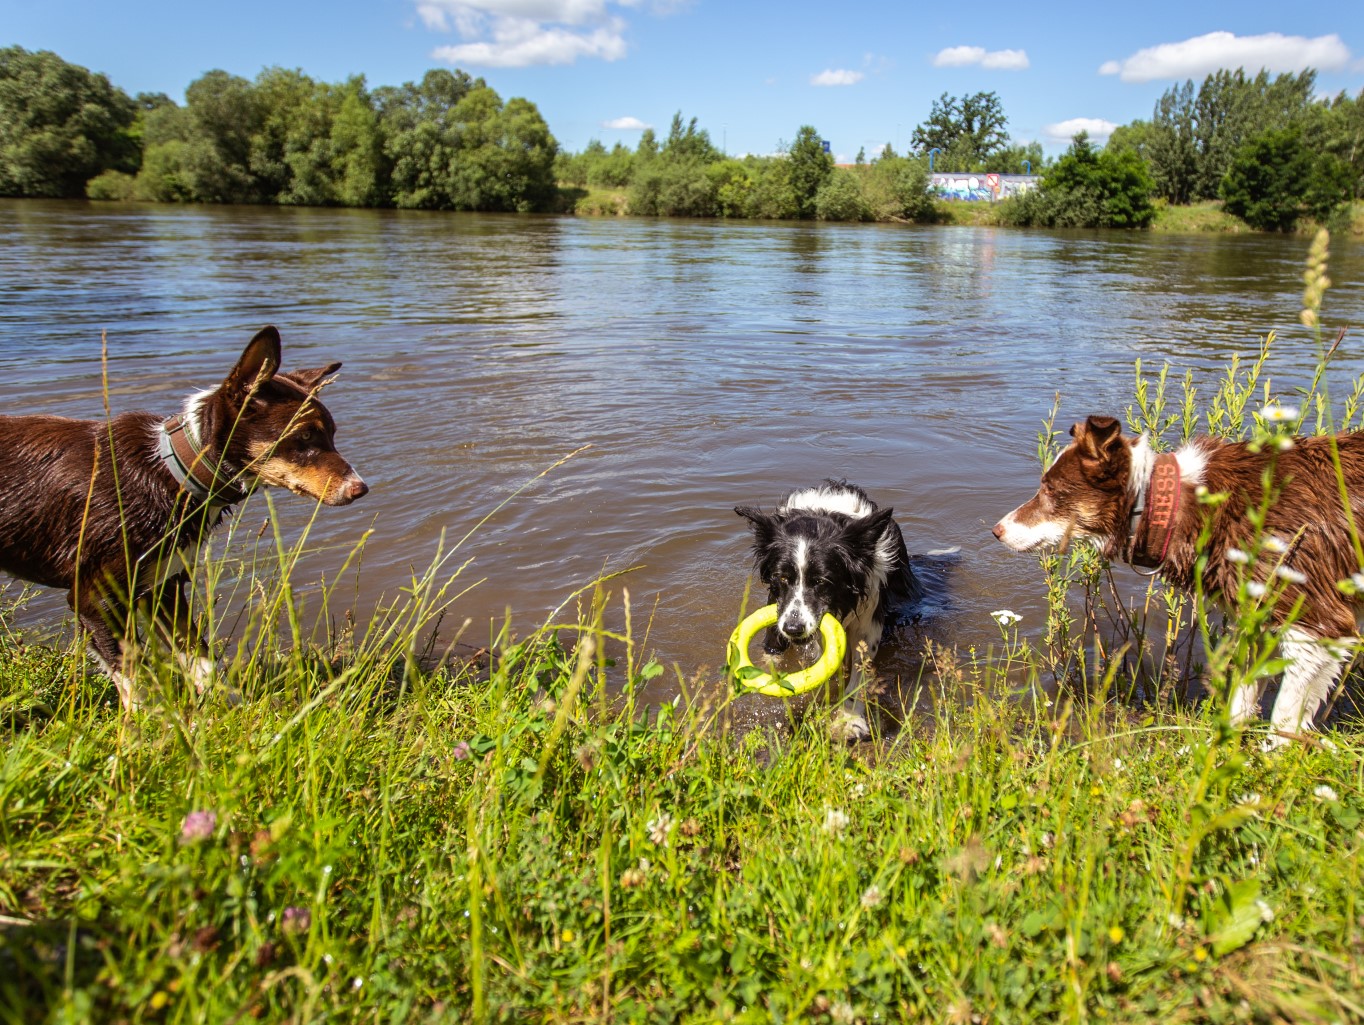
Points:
x=455 y=849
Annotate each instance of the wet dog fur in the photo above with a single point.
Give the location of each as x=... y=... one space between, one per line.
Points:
x=831 y=549
x=93 y=506
x=1093 y=488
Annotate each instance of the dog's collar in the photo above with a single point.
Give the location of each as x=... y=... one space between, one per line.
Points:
x=1154 y=514
x=185 y=459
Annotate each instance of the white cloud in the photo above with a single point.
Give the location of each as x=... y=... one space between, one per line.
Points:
x=999 y=60
x=523 y=33
x=1063 y=131
x=839 y=77
x=626 y=124
x=1201 y=55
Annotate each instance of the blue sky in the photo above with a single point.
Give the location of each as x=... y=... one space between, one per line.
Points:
x=863 y=74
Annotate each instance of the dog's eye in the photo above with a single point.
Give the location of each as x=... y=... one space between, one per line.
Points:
x=307 y=435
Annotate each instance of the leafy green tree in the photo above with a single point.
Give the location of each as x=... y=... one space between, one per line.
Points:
x=1087 y=188
x=60 y=125
x=970 y=131
x=419 y=132
x=613 y=171
x=1194 y=135
x=225 y=115
x=1275 y=178
x=896 y=188
x=840 y=198
x=672 y=180
x=773 y=196
x=811 y=168
x=732 y=183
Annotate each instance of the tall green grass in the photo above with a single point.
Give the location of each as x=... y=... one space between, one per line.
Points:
x=371 y=836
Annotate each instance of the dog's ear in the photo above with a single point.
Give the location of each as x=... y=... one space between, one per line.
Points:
x=1098 y=437
x=258 y=364
x=764 y=526
x=864 y=533
x=310 y=379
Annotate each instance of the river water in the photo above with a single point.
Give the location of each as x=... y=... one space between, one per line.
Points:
x=706 y=364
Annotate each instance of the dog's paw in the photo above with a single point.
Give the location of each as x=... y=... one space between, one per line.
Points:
x=848 y=728
x=1274 y=742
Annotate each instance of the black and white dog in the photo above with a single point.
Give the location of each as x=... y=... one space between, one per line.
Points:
x=830 y=549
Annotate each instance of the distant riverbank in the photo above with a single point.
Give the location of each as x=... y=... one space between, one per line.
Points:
x=1196 y=217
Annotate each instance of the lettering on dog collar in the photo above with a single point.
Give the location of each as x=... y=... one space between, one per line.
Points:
x=1150 y=540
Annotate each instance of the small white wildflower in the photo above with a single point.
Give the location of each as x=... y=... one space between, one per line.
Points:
x=1237 y=556
x=1255 y=589
x=1358 y=580
x=835 y=821
x=859 y=790
x=1249 y=800
x=1325 y=793
x=645 y=864
x=1182 y=751
x=871 y=897
x=1045 y=839
x=1274 y=543
x=1176 y=922
x=1293 y=576
x=1005 y=617
x=1117 y=765
x=1266 y=912
x=1283 y=442
x=1276 y=413
x=356 y=982
x=658 y=829
x=1328 y=744
x=842 y=1013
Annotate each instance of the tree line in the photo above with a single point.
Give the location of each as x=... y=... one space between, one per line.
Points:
x=1267 y=147
x=448 y=142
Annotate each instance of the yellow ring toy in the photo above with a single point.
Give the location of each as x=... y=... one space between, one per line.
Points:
x=833 y=640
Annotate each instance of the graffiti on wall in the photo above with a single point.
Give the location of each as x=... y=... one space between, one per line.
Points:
x=981 y=185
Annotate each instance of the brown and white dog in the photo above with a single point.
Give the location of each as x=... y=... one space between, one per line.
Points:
x=105 y=509
x=1141 y=507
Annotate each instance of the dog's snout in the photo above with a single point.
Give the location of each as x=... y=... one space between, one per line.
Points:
x=998 y=532
x=348 y=491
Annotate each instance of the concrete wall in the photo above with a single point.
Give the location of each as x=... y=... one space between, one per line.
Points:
x=981 y=185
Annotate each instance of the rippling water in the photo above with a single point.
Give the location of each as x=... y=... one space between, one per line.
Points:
x=705 y=363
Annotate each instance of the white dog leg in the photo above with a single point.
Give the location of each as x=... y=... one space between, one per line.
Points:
x=1307 y=681
x=1245 y=702
x=850 y=720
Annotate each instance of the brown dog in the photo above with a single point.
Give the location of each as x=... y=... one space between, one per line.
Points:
x=105 y=509
x=1142 y=508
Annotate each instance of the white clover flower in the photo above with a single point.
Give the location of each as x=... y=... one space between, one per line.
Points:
x=871 y=897
x=1176 y=921
x=658 y=829
x=1117 y=765
x=842 y=1013
x=1325 y=793
x=1277 y=413
x=1293 y=576
x=1255 y=589
x=1274 y=543
x=1237 y=556
x=1266 y=912
x=835 y=821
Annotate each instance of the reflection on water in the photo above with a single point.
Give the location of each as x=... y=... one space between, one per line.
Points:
x=706 y=364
